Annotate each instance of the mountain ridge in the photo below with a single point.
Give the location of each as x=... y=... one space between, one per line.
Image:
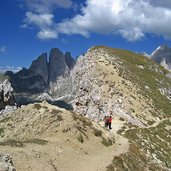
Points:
x=134 y=88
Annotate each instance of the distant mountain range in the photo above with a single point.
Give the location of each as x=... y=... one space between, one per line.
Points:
x=9 y=68
x=42 y=74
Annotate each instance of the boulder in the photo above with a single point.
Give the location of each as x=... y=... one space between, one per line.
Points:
x=6 y=163
x=6 y=95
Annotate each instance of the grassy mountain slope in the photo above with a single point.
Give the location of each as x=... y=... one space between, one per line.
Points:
x=153 y=76
x=150 y=147
x=44 y=137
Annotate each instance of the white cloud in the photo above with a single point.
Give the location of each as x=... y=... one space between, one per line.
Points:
x=44 y=22
x=132 y=19
x=2 y=49
x=40 y=20
x=40 y=14
x=9 y=68
x=47 y=6
x=47 y=34
x=132 y=34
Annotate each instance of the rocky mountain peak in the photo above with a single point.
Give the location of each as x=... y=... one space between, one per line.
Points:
x=164 y=47
x=54 y=53
x=57 y=65
x=40 y=67
x=162 y=55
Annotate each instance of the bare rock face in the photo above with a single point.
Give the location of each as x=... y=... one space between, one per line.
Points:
x=40 y=67
x=6 y=163
x=6 y=95
x=69 y=60
x=162 y=55
x=58 y=73
x=57 y=65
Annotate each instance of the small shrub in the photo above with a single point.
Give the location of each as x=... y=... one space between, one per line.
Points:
x=121 y=119
x=80 y=138
x=112 y=94
x=132 y=110
x=151 y=122
x=66 y=130
x=9 y=124
x=82 y=130
x=1 y=131
x=106 y=142
x=97 y=133
x=59 y=117
x=37 y=106
x=54 y=111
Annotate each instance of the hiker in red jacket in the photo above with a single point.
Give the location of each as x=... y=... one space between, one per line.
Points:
x=110 y=122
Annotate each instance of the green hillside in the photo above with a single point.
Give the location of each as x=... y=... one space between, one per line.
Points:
x=150 y=147
x=153 y=75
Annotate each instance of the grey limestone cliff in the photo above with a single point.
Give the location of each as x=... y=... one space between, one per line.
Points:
x=40 y=67
x=57 y=65
x=69 y=60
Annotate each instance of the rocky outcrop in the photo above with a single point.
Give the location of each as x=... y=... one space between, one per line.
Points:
x=162 y=55
x=6 y=163
x=6 y=95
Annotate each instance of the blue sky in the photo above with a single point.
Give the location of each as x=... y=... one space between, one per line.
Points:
x=31 y=27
